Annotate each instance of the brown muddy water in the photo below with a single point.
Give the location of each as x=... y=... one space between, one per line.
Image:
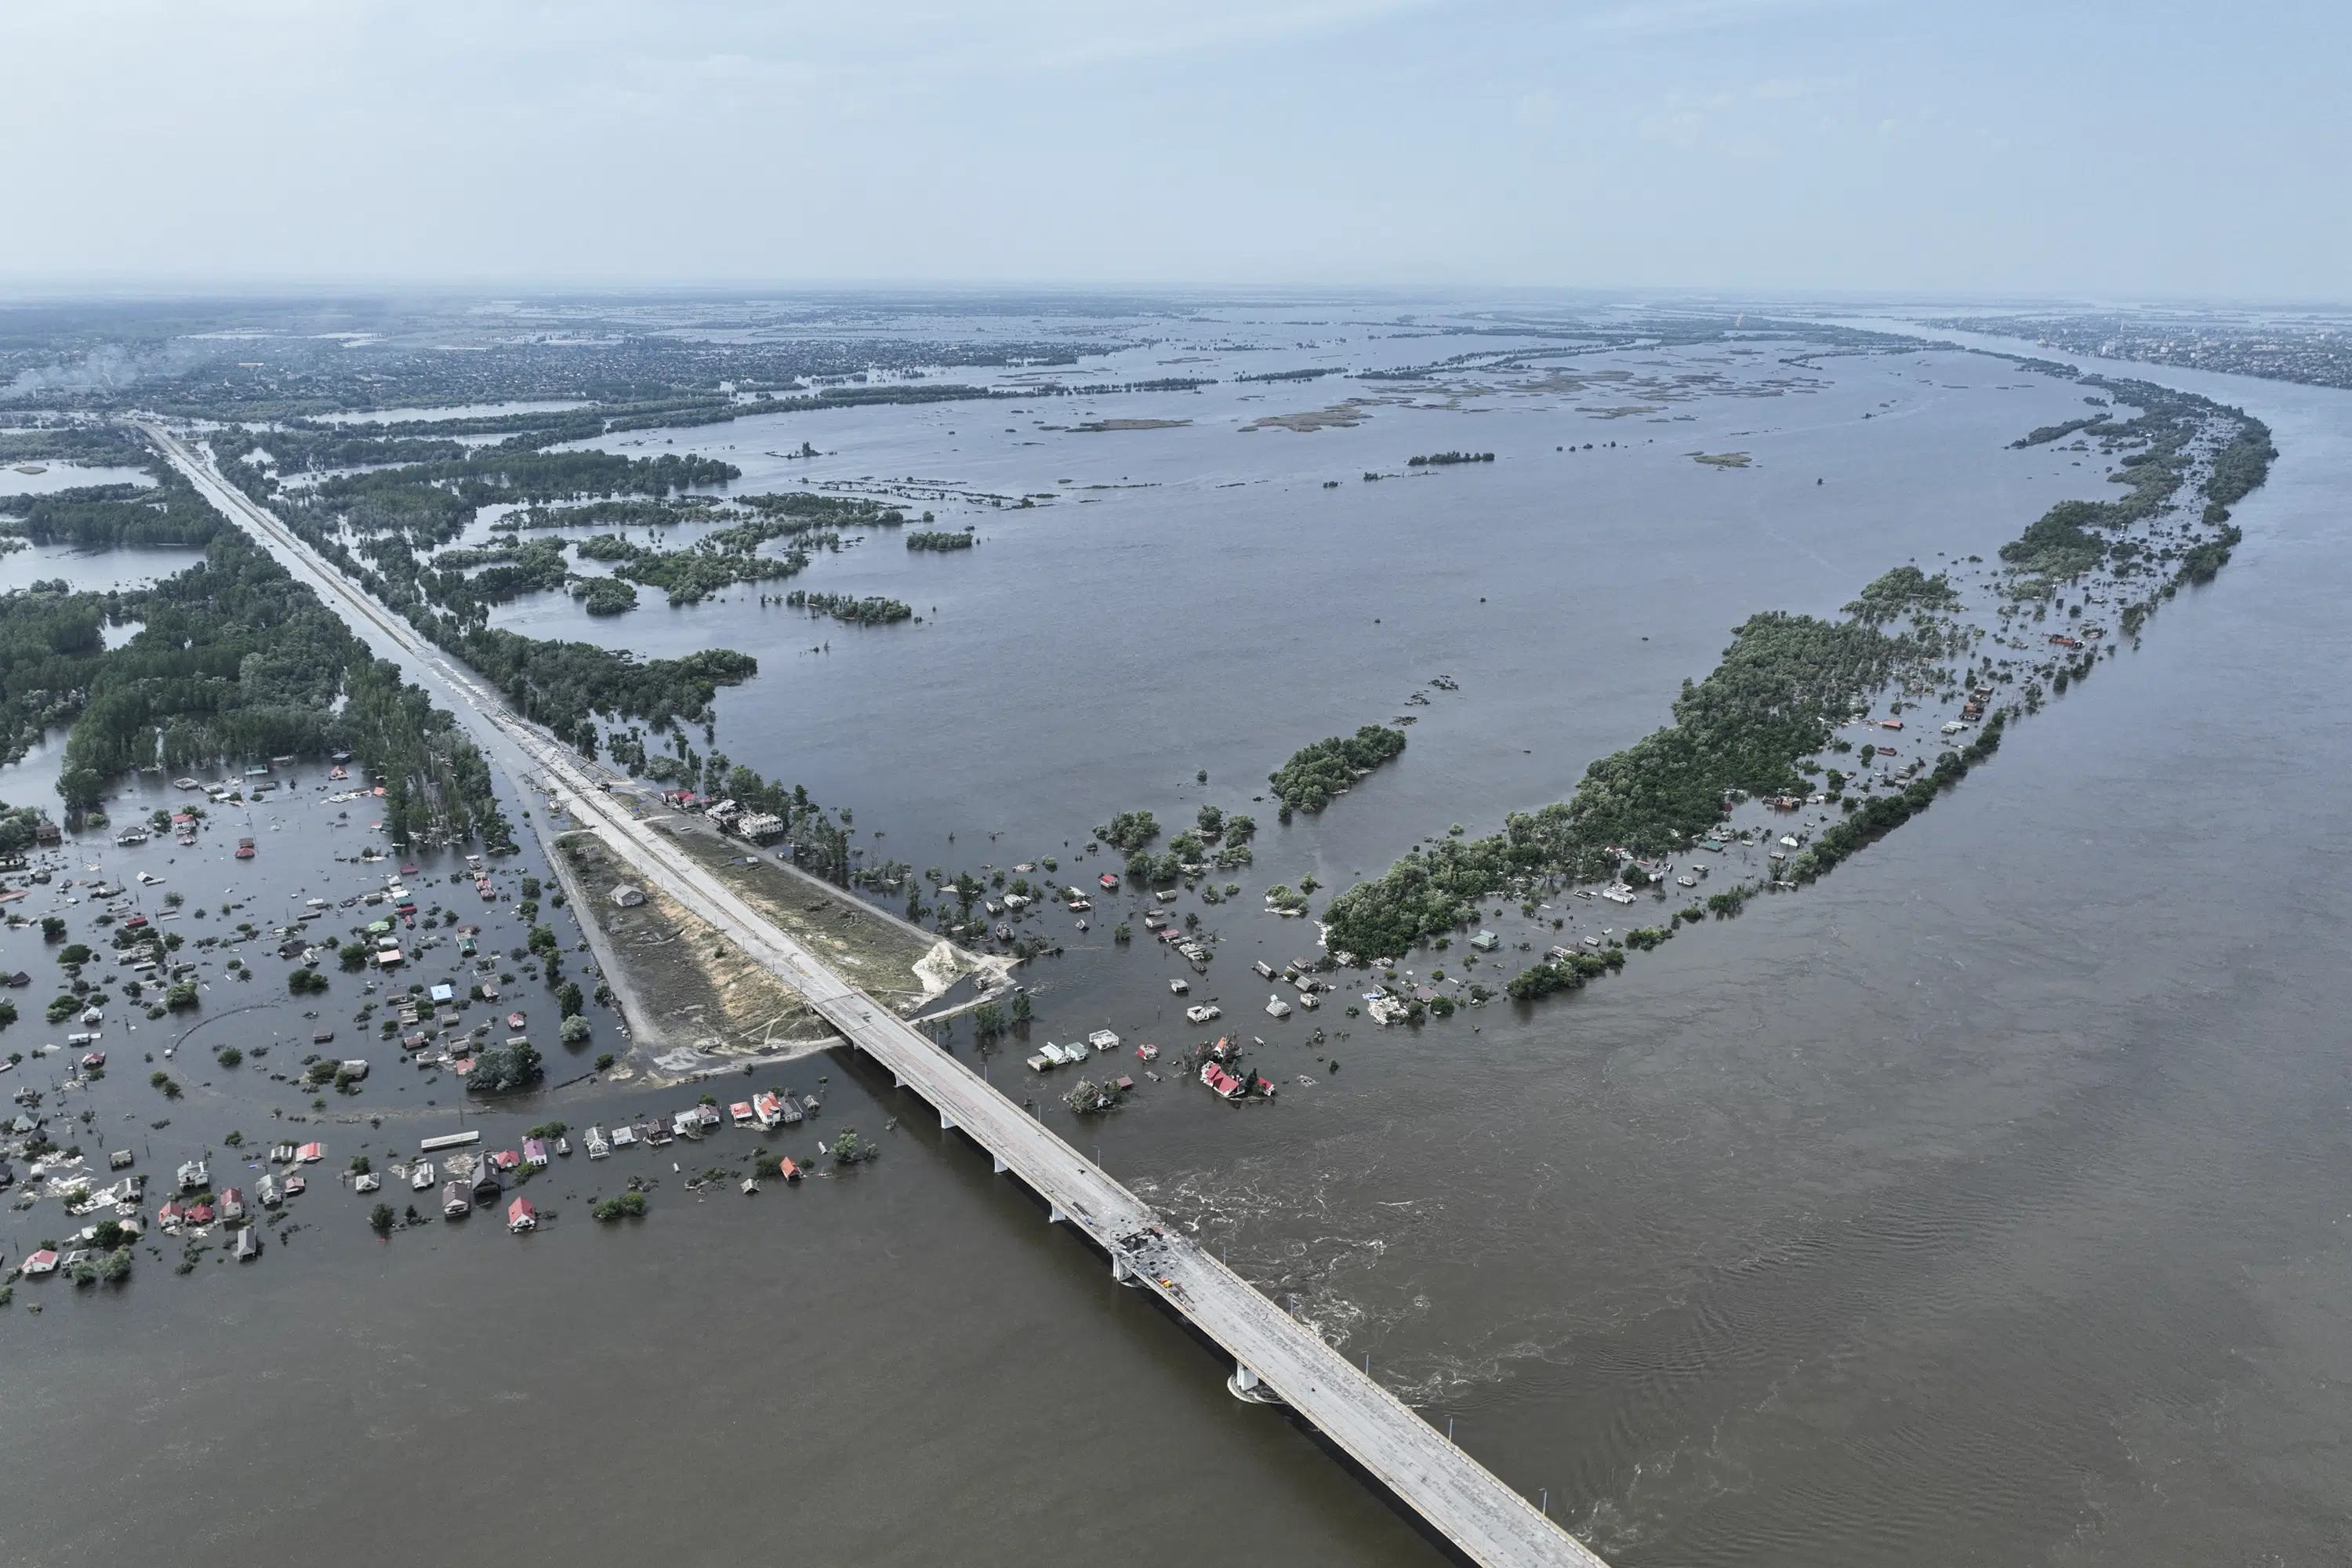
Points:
x=1984 y=1203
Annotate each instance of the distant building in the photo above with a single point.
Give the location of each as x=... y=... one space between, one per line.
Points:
x=626 y=897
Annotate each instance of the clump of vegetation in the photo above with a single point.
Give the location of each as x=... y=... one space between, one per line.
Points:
x=2057 y=544
x=502 y=1070
x=1128 y=830
x=626 y=1205
x=1315 y=773
x=872 y=611
x=605 y=596
x=1569 y=974
x=1088 y=1098
x=1907 y=590
x=2199 y=563
x=922 y=540
x=849 y=1149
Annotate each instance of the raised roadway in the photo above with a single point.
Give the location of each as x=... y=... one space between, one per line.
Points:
x=1273 y=1354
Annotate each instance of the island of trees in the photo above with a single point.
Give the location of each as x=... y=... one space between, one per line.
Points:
x=1330 y=767
x=871 y=611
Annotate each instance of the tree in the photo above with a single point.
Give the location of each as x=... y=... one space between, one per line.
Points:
x=353 y=956
x=501 y=1070
x=53 y=929
x=1128 y=830
x=306 y=981
x=181 y=997
x=575 y=1030
x=1021 y=1008
x=381 y=1219
x=568 y=1001
x=849 y=1149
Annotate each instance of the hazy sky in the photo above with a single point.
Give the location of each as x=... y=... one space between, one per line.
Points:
x=2114 y=150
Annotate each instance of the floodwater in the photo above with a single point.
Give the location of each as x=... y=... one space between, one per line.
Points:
x=1983 y=1202
x=52 y=476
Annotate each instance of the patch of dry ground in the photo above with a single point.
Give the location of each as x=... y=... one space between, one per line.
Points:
x=681 y=986
x=901 y=965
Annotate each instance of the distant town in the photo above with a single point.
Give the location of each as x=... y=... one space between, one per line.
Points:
x=2313 y=349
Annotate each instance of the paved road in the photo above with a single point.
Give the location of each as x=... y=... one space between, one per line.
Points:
x=1457 y=1497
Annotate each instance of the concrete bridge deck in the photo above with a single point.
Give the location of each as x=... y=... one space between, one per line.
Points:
x=1457 y=1497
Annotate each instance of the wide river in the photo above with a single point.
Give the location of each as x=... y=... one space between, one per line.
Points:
x=1984 y=1203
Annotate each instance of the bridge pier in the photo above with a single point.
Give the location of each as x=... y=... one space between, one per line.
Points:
x=946 y=1122
x=1245 y=1385
x=1124 y=1272
x=1054 y=1215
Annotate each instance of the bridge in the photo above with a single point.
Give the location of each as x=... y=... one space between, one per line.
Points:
x=1275 y=1358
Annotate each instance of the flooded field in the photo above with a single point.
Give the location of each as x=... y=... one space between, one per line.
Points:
x=1980 y=1203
